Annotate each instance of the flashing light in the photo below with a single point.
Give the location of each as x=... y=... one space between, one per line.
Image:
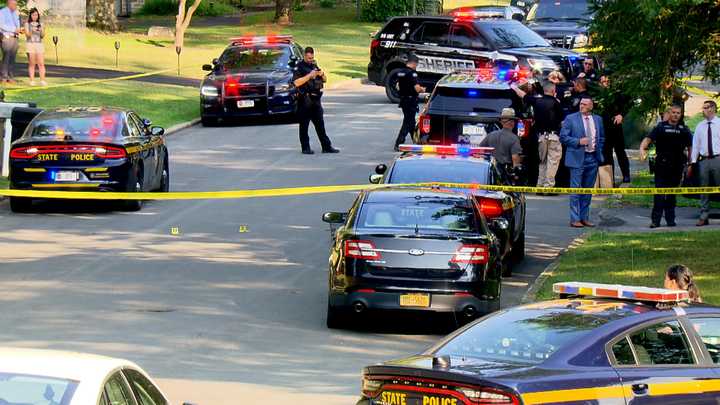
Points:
x=472 y=93
x=491 y=207
x=623 y=292
x=490 y=74
x=464 y=150
x=424 y=124
x=94 y=132
x=265 y=39
x=60 y=132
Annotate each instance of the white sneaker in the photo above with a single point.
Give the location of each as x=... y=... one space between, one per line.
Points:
x=32 y=83
x=43 y=83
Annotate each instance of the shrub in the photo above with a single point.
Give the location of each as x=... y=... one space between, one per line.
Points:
x=381 y=10
x=207 y=8
x=327 y=3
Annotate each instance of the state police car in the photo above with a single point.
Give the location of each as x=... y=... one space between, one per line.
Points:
x=252 y=77
x=602 y=344
x=445 y=44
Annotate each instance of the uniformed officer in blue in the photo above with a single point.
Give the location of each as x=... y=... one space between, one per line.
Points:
x=673 y=141
x=409 y=92
x=309 y=80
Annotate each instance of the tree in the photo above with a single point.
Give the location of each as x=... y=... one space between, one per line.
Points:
x=647 y=45
x=284 y=11
x=182 y=21
x=102 y=15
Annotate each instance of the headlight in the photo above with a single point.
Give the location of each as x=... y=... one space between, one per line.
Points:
x=542 y=64
x=209 y=91
x=281 y=87
x=581 y=40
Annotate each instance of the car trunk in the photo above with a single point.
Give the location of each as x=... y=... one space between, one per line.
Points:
x=66 y=154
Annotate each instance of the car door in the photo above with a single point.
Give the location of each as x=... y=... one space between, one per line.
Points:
x=431 y=43
x=116 y=391
x=469 y=46
x=518 y=200
x=659 y=364
x=146 y=393
x=146 y=152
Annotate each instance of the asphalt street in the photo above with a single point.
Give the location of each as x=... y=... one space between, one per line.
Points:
x=218 y=315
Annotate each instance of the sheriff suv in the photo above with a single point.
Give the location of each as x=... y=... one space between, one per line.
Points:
x=445 y=44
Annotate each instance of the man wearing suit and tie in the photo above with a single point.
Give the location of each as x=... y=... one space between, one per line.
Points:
x=583 y=135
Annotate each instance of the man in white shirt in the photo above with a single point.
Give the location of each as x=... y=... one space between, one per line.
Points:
x=10 y=29
x=706 y=153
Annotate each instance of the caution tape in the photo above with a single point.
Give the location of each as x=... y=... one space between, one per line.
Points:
x=89 y=82
x=295 y=191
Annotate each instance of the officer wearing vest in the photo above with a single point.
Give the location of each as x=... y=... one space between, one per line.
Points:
x=409 y=92
x=673 y=141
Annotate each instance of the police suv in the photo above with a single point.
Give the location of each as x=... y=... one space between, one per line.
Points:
x=445 y=44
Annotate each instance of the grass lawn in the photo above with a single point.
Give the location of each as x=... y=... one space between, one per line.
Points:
x=164 y=105
x=641 y=259
x=644 y=179
x=3 y=182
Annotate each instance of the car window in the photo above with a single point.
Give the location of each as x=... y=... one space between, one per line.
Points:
x=117 y=391
x=440 y=170
x=464 y=37
x=481 y=100
x=31 y=389
x=437 y=214
x=133 y=127
x=623 y=352
x=79 y=126
x=663 y=343
x=709 y=331
x=260 y=57
x=138 y=123
x=510 y=34
x=145 y=392
x=433 y=33
x=554 y=10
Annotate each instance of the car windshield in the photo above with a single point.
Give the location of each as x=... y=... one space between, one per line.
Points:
x=481 y=101
x=510 y=34
x=440 y=170
x=260 y=57
x=81 y=126
x=527 y=335
x=436 y=214
x=28 y=389
x=557 y=10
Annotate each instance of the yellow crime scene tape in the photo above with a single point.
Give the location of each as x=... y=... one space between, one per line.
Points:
x=88 y=82
x=295 y=191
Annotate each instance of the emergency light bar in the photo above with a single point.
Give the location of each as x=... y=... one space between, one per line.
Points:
x=266 y=39
x=489 y=74
x=446 y=150
x=623 y=292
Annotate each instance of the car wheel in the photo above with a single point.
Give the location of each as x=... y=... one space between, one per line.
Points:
x=335 y=319
x=135 y=185
x=518 y=249
x=391 y=86
x=208 y=121
x=20 y=204
x=165 y=176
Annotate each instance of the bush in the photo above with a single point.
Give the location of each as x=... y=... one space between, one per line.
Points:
x=327 y=3
x=207 y=8
x=381 y=10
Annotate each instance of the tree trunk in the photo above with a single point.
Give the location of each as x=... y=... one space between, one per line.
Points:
x=102 y=15
x=284 y=12
x=182 y=21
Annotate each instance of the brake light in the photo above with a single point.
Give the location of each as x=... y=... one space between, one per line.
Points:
x=491 y=207
x=361 y=249
x=487 y=396
x=471 y=254
x=27 y=152
x=374 y=44
x=110 y=152
x=102 y=152
x=424 y=124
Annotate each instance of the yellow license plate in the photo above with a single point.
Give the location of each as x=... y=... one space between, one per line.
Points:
x=415 y=300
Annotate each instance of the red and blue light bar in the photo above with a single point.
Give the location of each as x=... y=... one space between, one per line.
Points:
x=265 y=39
x=623 y=292
x=489 y=74
x=464 y=150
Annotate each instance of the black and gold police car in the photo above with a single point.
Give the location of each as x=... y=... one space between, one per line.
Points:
x=602 y=344
x=252 y=77
x=89 y=149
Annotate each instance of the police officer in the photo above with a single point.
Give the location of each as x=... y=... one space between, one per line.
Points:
x=673 y=142
x=507 y=145
x=309 y=80
x=409 y=92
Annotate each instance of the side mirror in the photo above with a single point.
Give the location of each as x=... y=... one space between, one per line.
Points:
x=334 y=217
x=376 y=178
x=216 y=61
x=207 y=68
x=157 y=131
x=380 y=169
x=146 y=122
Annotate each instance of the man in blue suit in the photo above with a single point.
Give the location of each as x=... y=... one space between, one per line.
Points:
x=583 y=135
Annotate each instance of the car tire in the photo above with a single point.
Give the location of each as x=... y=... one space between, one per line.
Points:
x=208 y=121
x=135 y=185
x=335 y=319
x=518 y=249
x=20 y=204
x=165 y=176
x=391 y=90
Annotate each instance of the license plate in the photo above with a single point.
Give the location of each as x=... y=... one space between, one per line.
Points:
x=67 y=176
x=415 y=300
x=469 y=129
x=246 y=103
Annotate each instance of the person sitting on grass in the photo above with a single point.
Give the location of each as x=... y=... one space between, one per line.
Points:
x=679 y=277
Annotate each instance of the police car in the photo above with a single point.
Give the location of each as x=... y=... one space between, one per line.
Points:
x=603 y=344
x=252 y=77
x=89 y=149
x=564 y=23
x=465 y=106
x=504 y=211
x=445 y=44
x=413 y=249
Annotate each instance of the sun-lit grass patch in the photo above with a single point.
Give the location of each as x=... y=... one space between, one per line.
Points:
x=641 y=259
x=3 y=182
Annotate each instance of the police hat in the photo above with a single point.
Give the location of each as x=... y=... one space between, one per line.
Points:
x=412 y=58
x=508 y=113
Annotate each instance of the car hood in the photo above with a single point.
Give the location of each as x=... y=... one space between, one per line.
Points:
x=552 y=29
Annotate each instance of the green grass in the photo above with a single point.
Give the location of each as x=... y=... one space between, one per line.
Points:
x=641 y=259
x=164 y=105
x=644 y=179
x=3 y=182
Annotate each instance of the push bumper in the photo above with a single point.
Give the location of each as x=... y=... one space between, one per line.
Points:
x=278 y=104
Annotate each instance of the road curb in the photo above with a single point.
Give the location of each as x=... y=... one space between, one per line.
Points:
x=531 y=294
x=183 y=125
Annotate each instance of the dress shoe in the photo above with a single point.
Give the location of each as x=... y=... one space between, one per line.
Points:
x=577 y=225
x=308 y=152
x=671 y=223
x=588 y=224
x=331 y=150
x=654 y=225
x=703 y=222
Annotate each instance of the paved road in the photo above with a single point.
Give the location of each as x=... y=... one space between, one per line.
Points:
x=224 y=317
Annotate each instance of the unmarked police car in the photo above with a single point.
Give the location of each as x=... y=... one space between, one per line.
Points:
x=603 y=344
x=445 y=44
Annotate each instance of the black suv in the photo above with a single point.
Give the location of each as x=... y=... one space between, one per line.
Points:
x=446 y=44
x=563 y=23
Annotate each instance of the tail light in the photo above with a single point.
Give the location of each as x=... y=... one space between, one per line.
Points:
x=424 y=124
x=102 y=152
x=374 y=44
x=471 y=254
x=491 y=207
x=361 y=249
x=109 y=152
x=487 y=396
x=26 y=152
